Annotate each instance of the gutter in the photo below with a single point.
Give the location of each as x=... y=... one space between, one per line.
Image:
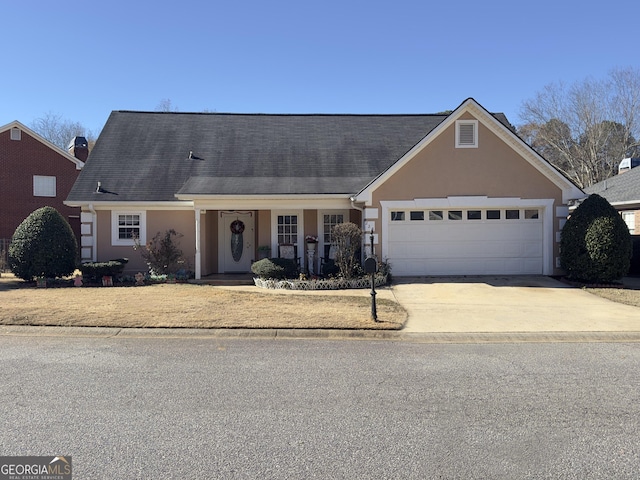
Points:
x=361 y=209
x=354 y=206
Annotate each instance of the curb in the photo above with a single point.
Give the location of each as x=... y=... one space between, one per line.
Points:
x=302 y=334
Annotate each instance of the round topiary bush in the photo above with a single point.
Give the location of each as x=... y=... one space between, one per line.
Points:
x=595 y=245
x=43 y=245
x=275 y=268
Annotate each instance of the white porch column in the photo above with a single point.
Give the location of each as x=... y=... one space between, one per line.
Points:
x=197 y=259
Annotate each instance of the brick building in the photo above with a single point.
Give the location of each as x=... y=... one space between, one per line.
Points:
x=35 y=173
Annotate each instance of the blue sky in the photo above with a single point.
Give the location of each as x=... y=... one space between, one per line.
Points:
x=83 y=59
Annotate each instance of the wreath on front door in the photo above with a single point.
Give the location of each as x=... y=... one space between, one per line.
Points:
x=237 y=227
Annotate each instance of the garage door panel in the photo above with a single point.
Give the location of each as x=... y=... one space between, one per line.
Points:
x=410 y=267
x=531 y=249
x=532 y=265
x=463 y=249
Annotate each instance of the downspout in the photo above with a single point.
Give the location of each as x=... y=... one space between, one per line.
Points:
x=361 y=209
x=198 y=256
x=354 y=206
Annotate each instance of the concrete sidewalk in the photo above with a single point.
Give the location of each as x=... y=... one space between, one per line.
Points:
x=501 y=304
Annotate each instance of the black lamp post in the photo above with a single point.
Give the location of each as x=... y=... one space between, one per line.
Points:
x=371 y=267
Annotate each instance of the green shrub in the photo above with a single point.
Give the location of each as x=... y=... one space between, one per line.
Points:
x=276 y=268
x=94 y=271
x=43 y=245
x=329 y=269
x=595 y=243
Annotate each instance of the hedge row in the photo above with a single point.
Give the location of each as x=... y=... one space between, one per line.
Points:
x=94 y=271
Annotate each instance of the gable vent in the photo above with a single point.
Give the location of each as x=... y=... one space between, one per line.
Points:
x=467 y=133
x=16 y=133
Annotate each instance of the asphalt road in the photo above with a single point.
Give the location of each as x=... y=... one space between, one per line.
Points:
x=190 y=408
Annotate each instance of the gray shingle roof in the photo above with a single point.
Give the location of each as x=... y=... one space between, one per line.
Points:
x=621 y=188
x=144 y=156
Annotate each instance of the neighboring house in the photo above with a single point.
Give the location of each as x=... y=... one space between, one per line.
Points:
x=623 y=192
x=35 y=173
x=443 y=194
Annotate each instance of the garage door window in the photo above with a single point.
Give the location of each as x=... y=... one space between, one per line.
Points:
x=512 y=214
x=474 y=215
x=397 y=216
x=435 y=215
x=493 y=215
x=455 y=215
x=416 y=216
x=531 y=214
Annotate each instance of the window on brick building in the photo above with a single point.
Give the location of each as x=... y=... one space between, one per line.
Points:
x=44 y=186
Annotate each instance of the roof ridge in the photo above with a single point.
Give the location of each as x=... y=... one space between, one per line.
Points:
x=289 y=114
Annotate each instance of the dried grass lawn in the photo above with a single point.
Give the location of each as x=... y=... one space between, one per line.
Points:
x=188 y=306
x=620 y=295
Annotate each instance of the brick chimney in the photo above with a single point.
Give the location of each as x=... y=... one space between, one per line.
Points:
x=79 y=148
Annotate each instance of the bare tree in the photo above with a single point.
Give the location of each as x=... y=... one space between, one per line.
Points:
x=585 y=129
x=166 y=105
x=60 y=131
x=347 y=237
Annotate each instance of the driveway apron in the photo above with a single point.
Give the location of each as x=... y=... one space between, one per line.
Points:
x=508 y=304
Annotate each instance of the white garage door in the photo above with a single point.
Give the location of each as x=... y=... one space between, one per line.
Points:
x=465 y=241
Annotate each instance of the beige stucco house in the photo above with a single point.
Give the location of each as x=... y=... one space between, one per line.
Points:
x=456 y=194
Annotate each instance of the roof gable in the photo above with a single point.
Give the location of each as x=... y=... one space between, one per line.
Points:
x=16 y=124
x=496 y=126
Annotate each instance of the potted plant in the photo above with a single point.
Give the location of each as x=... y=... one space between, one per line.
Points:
x=312 y=241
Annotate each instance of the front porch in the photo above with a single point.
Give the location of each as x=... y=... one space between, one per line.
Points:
x=228 y=242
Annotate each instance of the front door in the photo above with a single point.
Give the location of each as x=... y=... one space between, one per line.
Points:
x=235 y=239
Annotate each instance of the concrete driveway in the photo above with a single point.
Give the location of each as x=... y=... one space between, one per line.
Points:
x=508 y=304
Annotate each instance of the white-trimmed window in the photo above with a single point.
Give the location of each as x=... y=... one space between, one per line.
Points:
x=126 y=226
x=44 y=186
x=287 y=229
x=630 y=219
x=16 y=134
x=330 y=220
x=467 y=134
